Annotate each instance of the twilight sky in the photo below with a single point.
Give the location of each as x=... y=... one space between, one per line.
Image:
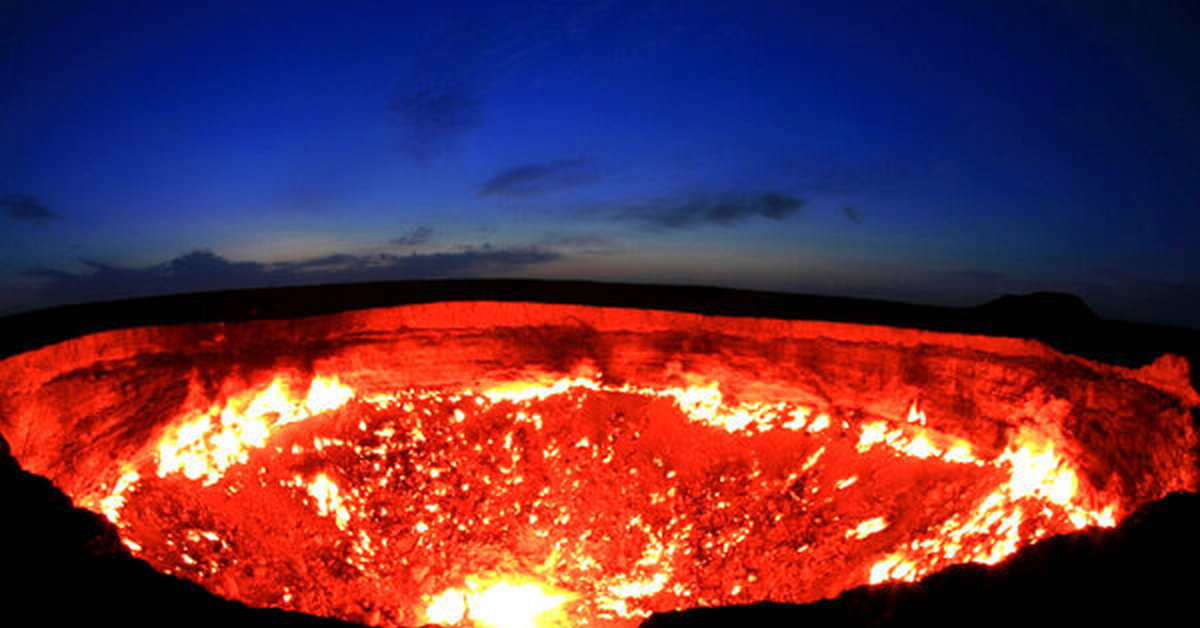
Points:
x=928 y=152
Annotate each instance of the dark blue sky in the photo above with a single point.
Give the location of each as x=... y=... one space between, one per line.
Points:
x=939 y=153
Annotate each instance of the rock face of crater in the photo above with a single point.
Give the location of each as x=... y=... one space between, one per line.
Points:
x=72 y=410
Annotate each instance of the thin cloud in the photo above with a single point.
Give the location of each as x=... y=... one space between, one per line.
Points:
x=431 y=119
x=724 y=211
x=415 y=237
x=204 y=270
x=584 y=244
x=26 y=208
x=437 y=100
x=539 y=178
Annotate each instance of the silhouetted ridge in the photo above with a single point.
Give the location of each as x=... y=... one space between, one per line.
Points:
x=1053 y=308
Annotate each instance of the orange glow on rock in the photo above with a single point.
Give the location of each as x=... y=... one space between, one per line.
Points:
x=522 y=466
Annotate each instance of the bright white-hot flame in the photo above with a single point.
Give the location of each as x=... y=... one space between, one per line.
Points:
x=894 y=567
x=505 y=605
x=873 y=432
x=798 y=420
x=499 y=604
x=639 y=588
x=960 y=452
x=704 y=404
x=918 y=445
x=112 y=504
x=447 y=608
x=867 y=528
x=326 y=394
x=810 y=461
x=700 y=403
x=915 y=415
x=329 y=500
x=274 y=400
x=1036 y=470
x=209 y=442
x=518 y=392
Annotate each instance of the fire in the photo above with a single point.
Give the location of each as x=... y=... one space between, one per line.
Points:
x=325 y=492
x=207 y=443
x=867 y=528
x=992 y=531
x=499 y=604
x=533 y=504
x=517 y=392
x=447 y=608
x=111 y=505
x=520 y=464
x=913 y=441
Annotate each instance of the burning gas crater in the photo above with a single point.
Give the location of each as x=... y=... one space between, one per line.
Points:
x=571 y=502
x=577 y=498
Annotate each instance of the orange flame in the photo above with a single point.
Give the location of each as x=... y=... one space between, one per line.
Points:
x=992 y=531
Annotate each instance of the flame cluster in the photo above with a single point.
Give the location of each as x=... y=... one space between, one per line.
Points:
x=572 y=501
x=204 y=444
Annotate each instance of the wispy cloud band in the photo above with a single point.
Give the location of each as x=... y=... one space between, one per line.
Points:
x=723 y=211
x=26 y=208
x=539 y=178
x=204 y=270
